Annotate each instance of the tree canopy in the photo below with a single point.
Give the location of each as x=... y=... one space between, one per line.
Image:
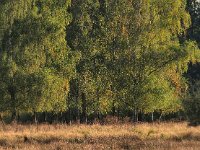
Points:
x=95 y=57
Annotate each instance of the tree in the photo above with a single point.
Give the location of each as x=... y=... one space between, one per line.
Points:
x=86 y=38
x=142 y=42
x=36 y=62
x=191 y=102
x=137 y=41
x=193 y=7
x=124 y=56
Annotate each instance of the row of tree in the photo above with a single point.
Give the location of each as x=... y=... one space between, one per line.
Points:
x=192 y=101
x=94 y=57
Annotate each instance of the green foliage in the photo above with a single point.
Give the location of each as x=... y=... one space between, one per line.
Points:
x=192 y=104
x=36 y=62
x=193 y=7
x=105 y=57
x=137 y=42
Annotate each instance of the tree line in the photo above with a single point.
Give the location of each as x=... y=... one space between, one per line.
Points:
x=192 y=102
x=85 y=59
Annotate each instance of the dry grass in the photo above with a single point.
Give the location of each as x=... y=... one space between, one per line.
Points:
x=126 y=136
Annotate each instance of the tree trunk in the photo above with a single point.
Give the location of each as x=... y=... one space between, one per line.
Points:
x=84 y=109
x=160 y=117
x=12 y=90
x=35 y=117
x=14 y=116
x=45 y=117
x=152 y=117
x=135 y=115
x=77 y=111
x=113 y=108
x=70 y=116
x=18 y=117
x=1 y=118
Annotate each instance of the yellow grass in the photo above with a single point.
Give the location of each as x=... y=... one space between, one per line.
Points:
x=121 y=136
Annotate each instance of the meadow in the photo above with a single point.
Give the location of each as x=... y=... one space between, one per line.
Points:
x=145 y=136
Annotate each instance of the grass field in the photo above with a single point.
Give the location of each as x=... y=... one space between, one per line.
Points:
x=122 y=136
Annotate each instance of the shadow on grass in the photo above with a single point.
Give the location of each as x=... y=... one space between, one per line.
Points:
x=111 y=142
x=186 y=137
x=124 y=142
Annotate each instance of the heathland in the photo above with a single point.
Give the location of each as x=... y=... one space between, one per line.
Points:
x=111 y=136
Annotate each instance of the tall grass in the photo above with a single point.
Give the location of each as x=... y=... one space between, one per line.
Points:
x=118 y=136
